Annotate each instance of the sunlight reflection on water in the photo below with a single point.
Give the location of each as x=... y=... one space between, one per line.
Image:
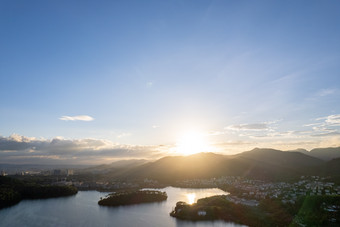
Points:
x=83 y=210
x=191 y=198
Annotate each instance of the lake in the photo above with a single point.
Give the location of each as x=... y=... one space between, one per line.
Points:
x=83 y=210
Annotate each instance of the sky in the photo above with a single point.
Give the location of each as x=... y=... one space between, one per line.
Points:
x=98 y=81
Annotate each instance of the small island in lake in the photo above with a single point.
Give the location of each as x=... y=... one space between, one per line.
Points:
x=133 y=197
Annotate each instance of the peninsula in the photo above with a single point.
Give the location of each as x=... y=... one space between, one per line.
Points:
x=309 y=210
x=12 y=191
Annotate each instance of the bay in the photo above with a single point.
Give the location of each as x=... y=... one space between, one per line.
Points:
x=83 y=210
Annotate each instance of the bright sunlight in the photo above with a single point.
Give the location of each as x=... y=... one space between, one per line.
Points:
x=192 y=142
x=191 y=198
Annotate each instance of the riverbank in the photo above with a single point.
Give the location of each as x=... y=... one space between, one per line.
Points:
x=12 y=191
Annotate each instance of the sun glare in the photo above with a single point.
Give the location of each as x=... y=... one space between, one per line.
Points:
x=191 y=143
x=191 y=198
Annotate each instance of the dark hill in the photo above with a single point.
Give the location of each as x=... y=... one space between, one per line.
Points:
x=172 y=168
x=281 y=158
x=259 y=163
x=331 y=167
x=326 y=153
x=275 y=164
x=120 y=165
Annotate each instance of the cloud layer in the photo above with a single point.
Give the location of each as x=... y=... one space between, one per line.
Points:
x=321 y=132
x=25 y=150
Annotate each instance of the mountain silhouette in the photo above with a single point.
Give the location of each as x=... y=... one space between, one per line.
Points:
x=265 y=164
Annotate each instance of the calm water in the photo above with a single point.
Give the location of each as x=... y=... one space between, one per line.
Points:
x=83 y=210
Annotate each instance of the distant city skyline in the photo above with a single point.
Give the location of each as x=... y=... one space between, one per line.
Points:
x=98 y=81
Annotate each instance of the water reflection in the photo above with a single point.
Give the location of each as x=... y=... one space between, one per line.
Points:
x=83 y=210
x=191 y=198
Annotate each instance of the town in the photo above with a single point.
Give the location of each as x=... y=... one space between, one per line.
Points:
x=249 y=192
x=242 y=190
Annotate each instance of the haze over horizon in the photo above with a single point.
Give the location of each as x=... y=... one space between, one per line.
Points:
x=99 y=81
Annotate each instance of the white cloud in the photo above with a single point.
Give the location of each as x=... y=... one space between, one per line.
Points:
x=325 y=92
x=77 y=118
x=312 y=125
x=156 y=126
x=124 y=134
x=20 y=149
x=149 y=84
x=249 y=127
x=19 y=138
x=327 y=134
x=333 y=120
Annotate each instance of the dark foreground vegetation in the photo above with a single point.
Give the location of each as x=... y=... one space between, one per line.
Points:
x=12 y=191
x=308 y=211
x=319 y=211
x=133 y=197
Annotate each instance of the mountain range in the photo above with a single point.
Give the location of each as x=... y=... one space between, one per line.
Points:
x=265 y=164
x=326 y=154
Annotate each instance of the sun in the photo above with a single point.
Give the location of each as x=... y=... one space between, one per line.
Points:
x=192 y=142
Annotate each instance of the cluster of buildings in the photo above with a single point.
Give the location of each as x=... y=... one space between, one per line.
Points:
x=248 y=191
x=3 y=173
x=53 y=172
x=104 y=186
x=115 y=185
x=237 y=200
x=62 y=172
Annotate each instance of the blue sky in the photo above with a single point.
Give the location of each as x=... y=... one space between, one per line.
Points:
x=243 y=73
